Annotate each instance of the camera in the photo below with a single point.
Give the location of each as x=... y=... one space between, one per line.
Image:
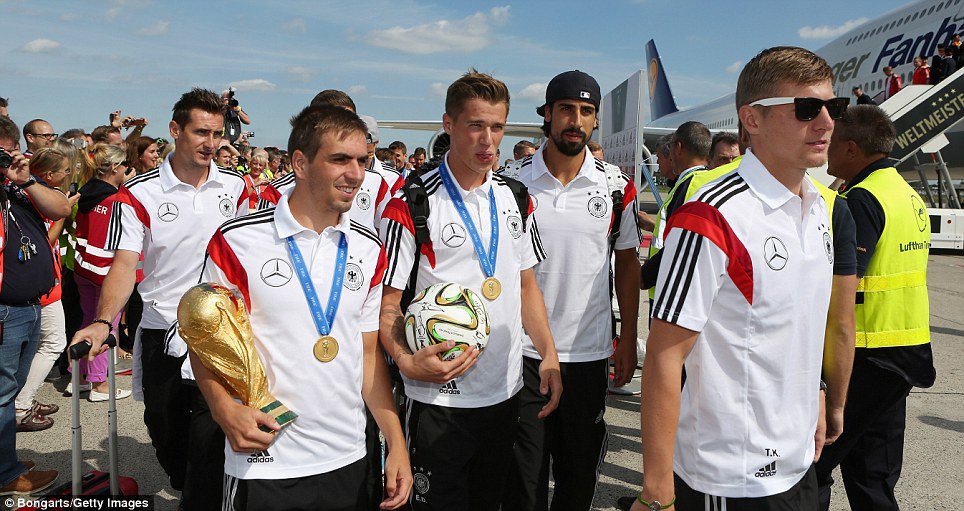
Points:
x=232 y=102
x=6 y=161
x=79 y=143
x=247 y=134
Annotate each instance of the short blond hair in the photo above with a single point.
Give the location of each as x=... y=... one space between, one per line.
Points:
x=776 y=67
x=475 y=85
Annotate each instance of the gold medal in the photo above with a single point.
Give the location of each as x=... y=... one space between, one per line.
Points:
x=491 y=288
x=326 y=348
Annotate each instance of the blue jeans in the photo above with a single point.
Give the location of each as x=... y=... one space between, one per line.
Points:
x=21 y=330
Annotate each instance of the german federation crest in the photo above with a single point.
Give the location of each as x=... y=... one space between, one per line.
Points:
x=226 y=206
x=598 y=207
x=353 y=277
x=828 y=246
x=363 y=200
x=514 y=225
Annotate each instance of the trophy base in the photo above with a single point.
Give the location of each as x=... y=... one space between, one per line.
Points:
x=281 y=414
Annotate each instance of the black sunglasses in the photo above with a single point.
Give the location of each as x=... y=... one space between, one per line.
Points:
x=807 y=109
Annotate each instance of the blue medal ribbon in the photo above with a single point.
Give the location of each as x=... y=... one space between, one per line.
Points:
x=323 y=321
x=486 y=259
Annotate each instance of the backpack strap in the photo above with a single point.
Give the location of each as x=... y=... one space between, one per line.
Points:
x=521 y=193
x=417 y=199
x=613 y=175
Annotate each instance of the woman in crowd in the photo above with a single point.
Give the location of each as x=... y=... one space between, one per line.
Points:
x=255 y=180
x=51 y=167
x=143 y=154
x=92 y=263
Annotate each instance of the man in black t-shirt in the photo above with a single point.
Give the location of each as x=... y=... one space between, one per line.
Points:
x=26 y=273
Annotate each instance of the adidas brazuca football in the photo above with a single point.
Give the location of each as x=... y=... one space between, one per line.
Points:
x=447 y=312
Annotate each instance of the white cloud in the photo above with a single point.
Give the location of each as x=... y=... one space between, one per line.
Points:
x=532 y=92
x=469 y=34
x=300 y=73
x=120 y=5
x=257 y=84
x=439 y=89
x=158 y=29
x=499 y=14
x=734 y=67
x=356 y=90
x=40 y=46
x=828 y=32
x=295 y=25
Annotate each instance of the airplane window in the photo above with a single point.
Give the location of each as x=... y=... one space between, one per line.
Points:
x=931 y=11
x=880 y=84
x=915 y=17
x=900 y=22
x=892 y=23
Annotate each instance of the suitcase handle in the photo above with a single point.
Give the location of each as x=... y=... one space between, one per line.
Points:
x=80 y=350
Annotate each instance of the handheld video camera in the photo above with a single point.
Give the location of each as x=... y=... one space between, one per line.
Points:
x=232 y=102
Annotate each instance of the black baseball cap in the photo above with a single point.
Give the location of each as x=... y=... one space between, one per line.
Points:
x=571 y=85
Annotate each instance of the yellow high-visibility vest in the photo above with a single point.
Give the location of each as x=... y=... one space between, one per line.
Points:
x=895 y=309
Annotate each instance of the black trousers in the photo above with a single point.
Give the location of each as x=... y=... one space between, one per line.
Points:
x=870 y=452
x=188 y=443
x=342 y=489
x=460 y=456
x=800 y=497
x=571 y=442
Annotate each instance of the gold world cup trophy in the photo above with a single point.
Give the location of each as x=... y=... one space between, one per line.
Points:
x=214 y=324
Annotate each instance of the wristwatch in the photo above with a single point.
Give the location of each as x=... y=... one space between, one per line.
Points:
x=28 y=183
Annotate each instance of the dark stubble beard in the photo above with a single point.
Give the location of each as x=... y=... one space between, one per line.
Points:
x=570 y=148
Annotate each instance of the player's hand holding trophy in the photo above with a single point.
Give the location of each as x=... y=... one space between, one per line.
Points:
x=214 y=324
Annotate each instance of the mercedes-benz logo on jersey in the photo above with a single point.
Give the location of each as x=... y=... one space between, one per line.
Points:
x=167 y=212
x=920 y=213
x=453 y=235
x=514 y=224
x=598 y=207
x=353 y=276
x=363 y=200
x=226 y=206
x=775 y=253
x=828 y=246
x=276 y=272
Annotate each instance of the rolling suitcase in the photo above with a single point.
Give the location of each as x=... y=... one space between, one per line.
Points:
x=94 y=483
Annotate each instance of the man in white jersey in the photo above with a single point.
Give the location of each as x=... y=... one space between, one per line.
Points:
x=578 y=198
x=169 y=214
x=318 y=461
x=742 y=299
x=462 y=414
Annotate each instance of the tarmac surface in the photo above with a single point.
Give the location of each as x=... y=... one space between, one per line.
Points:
x=933 y=474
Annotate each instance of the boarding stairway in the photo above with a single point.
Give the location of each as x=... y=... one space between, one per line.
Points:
x=922 y=114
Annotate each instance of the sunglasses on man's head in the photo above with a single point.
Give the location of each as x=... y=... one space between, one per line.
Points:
x=807 y=109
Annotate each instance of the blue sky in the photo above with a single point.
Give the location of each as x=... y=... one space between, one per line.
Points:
x=73 y=62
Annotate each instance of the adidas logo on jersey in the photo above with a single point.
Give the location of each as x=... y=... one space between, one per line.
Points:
x=450 y=388
x=767 y=471
x=261 y=457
